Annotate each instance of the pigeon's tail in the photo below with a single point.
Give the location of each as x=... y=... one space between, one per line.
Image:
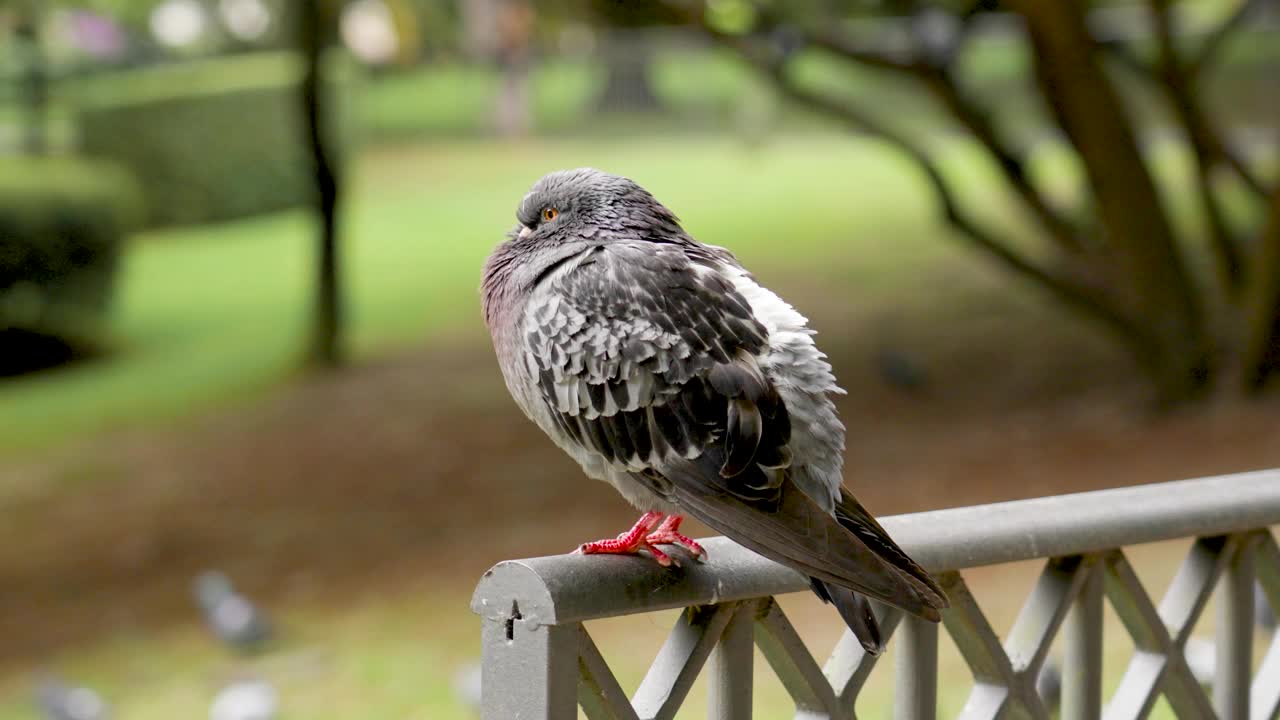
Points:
x=855 y=608
x=855 y=518
x=856 y=612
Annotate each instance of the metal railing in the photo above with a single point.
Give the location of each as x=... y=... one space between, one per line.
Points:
x=539 y=662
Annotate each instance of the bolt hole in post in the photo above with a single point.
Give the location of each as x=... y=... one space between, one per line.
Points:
x=511 y=620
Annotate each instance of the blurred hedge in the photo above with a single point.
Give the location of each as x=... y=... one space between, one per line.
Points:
x=62 y=225
x=210 y=139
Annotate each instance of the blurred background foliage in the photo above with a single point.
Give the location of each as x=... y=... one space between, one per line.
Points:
x=1041 y=242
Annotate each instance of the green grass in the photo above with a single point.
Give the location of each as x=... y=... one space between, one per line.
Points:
x=215 y=314
x=378 y=659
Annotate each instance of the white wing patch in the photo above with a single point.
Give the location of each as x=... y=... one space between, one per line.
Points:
x=792 y=358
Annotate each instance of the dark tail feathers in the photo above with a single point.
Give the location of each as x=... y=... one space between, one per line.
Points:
x=856 y=611
x=855 y=608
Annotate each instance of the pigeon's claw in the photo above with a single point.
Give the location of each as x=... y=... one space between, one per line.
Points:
x=668 y=534
x=649 y=531
x=631 y=542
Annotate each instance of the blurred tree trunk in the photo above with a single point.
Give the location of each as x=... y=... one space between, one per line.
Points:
x=1085 y=103
x=626 y=50
x=1262 y=352
x=35 y=80
x=315 y=21
x=627 y=56
x=514 y=25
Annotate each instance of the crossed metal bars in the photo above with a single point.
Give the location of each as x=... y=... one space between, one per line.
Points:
x=539 y=662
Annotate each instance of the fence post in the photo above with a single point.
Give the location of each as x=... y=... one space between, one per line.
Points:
x=731 y=667
x=1082 y=661
x=916 y=693
x=529 y=671
x=1235 y=635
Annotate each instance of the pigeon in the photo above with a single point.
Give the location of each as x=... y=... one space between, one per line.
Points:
x=663 y=367
x=901 y=370
x=59 y=701
x=245 y=700
x=230 y=615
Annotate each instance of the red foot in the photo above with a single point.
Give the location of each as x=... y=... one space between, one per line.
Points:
x=648 y=532
x=667 y=534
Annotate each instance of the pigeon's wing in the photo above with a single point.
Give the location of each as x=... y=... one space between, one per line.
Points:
x=647 y=355
x=625 y=342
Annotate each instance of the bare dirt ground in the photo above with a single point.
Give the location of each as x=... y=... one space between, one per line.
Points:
x=421 y=467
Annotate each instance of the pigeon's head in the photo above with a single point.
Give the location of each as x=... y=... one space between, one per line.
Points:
x=586 y=204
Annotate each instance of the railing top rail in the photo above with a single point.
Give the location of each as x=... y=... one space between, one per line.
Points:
x=571 y=588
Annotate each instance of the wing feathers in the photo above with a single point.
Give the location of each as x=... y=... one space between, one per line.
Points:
x=649 y=356
x=741 y=436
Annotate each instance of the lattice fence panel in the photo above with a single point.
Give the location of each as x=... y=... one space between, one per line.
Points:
x=1068 y=593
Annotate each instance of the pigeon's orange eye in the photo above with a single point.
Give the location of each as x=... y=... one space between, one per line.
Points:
x=549 y=214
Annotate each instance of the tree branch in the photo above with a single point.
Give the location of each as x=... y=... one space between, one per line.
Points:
x=979 y=124
x=1179 y=86
x=933 y=71
x=1209 y=48
x=1261 y=361
x=1201 y=63
x=1088 y=108
x=1220 y=150
x=837 y=44
x=1090 y=301
x=1122 y=52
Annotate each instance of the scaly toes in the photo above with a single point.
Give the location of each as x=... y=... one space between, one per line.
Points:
x=662 y=558
x=626 y=547
x=680 y=541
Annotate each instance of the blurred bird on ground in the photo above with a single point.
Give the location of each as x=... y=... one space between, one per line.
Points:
x=232 y=617
x=60 y=701
x=248 y=699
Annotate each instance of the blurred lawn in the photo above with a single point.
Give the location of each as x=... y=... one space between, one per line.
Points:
x=215 y=314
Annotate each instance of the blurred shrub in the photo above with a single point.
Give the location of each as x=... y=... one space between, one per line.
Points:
x=211 y=139
x=62 y=224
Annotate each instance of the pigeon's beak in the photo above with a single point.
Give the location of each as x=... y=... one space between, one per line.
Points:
x=525 y=230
